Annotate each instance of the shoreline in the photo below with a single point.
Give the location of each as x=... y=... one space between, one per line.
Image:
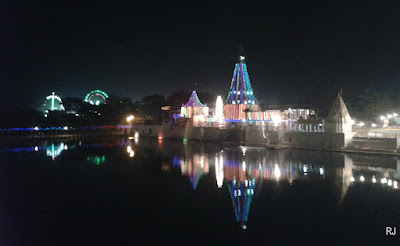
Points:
x=92 y=135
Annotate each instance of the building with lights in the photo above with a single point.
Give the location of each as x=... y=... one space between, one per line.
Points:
x=195 y=110
x=241 y=99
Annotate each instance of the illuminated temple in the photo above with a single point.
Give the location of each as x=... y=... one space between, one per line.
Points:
x=194 y=109
x=241 y=105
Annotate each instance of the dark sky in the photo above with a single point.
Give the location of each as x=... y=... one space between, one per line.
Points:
x=141 y=48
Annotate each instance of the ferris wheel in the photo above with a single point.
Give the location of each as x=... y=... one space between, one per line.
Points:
x=53 y=103
x=96 y=97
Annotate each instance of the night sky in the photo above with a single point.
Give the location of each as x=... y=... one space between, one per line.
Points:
x=142 y=48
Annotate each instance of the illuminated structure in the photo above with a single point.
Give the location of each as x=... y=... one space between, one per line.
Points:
x=241 y=98
x=53 y=103
x=96 y=97
x=195 y=109
x=339 y=119
x=219 y=110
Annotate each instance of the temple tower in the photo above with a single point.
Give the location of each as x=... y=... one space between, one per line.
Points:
x=241 y=96
x=339 y=119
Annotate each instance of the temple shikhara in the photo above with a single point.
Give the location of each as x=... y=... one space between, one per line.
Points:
x=195 y=109
x=241 y=99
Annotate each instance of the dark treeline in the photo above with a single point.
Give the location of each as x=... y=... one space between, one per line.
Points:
x=365 y=104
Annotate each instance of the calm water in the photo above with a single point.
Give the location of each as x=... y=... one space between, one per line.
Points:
x=163 y=192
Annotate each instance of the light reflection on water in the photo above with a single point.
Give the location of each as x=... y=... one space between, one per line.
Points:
x=240 y=172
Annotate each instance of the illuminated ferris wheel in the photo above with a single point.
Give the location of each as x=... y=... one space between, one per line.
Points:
x=53 y=103
x=96 y=97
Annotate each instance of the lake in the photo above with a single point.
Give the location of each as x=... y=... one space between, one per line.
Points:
x=124 y=191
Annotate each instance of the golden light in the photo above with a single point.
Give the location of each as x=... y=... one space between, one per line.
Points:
x=130 y=118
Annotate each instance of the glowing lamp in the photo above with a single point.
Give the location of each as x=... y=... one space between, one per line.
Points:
x=130 y=118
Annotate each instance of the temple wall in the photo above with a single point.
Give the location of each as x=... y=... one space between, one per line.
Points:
x=318 y=140
x=375 y=143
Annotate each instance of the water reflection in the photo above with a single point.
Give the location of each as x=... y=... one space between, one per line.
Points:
x=54 y=150
x=98 y=160
x=242 y=170
x=193 y=166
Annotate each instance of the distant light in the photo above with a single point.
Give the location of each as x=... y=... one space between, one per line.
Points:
x=382 y=117
x=373 y=179
x=36 y=148
x=76 y=114
x=244 y=166
x=305 y=168
x=132 y=153
x=219 y=110
x=373 y=125
x=395 y=115
x=389 y=116
x=45 y=115
x=136 y=135
x=65 y=147
x=36 y=128
x=390 y=182
x=395 y=185
x=98 y=114
x=244 y=227
x=130 y=118
x=160 y=137
x=362 y=179
x=128 y=149
x=352 y=179
x=65 y=127
x=384 y=181
x=242 y=58
x=97 y=102
x=244 y=149
x=321 y=171
x=361 y=124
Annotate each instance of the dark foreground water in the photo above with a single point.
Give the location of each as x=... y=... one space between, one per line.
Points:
x=122 y=192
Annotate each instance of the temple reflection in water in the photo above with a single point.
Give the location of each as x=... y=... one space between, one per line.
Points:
x=241 y=171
